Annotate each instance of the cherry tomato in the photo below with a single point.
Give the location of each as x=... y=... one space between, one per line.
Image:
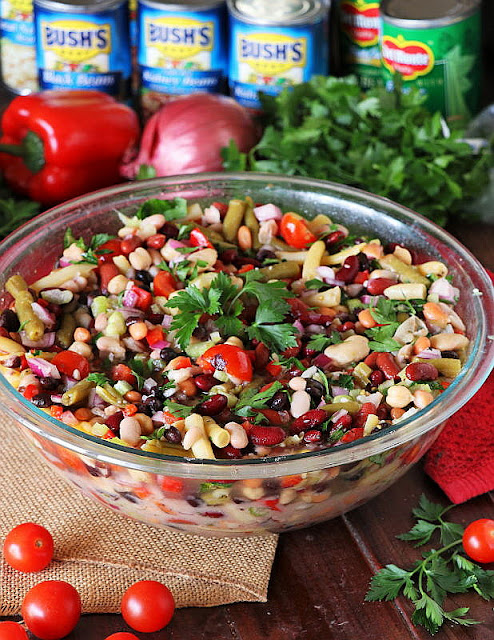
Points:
x=123 y=372
x=69 y=361
x=164 y=284
x=229 y=358
x=121 y=635
x=51 y=609
x=147 y=606
x=28 y=547
x=108 y=250
x=295 y=232
x=199 y=239
x=478 y=540
x=12 y=631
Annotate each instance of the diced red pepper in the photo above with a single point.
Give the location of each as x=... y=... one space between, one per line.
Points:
x=108 y=250
x=129 y=410
x=361 y=277
x=169 y=483
x=272 y=504
x=291 y=481
x=30 y=391
x=221 y=206
x=245 y=268
x=164 y=284
x=144 y=298
x=155 y=338
x=181 y=362
x=198 y=238
x=56 y=411
x=273 y=369
x=352 y=435
x=123 y=372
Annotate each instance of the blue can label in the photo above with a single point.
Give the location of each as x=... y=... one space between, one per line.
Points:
x=83 y=51
x=270 y=59
x=181 y=53
x=17 y=45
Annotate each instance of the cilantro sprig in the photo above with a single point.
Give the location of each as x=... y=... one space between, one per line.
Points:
x=252 y=399
x=441 y=571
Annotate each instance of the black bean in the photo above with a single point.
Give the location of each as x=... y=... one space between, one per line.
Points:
x=279 y=401
x=144 y=408
x=144 y=276
x=364 y=262
x=9 y=320
x=265 y=254
x=48 y=384
x=315 y=389
x=450 y=354
x=153 y=404
x=42 y=400
x=169 y=230
x=173 y=435
x=168 y=354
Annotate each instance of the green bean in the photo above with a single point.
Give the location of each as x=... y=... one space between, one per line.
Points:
x=279 y=245
x=65 y=335
x=350 y=406
x=110 y=395
x=77 y=393
x=33 y=326
x=280 y=270
x=233 y=219
x=447 y=367
x=252 y=224
x=406 y=272
x=217 y=239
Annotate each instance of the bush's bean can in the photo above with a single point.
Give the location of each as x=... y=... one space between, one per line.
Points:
x=436 y=46
x=358 y=37
x=81 y=45
x=17 y=49
x=182 y=49
x=275 y=44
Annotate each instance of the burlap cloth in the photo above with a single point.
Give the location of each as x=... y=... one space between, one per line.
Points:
x=102 y=553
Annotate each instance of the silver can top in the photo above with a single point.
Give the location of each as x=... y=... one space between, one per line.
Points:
x=414 y=14
x=79 y=6
x=188 y=5
x=278 y=12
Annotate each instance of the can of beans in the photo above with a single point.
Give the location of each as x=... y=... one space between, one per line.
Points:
x=275 y=44
x=17 y=49
x=83 y=45
x=182 y=49
x=435 y=46
x=358 y=38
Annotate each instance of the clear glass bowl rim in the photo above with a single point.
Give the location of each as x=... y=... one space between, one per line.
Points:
x=478 y=366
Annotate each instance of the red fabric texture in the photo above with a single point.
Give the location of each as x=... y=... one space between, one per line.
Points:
x=461 y=460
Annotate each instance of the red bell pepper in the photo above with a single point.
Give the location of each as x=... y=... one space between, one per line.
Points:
x=57 y=145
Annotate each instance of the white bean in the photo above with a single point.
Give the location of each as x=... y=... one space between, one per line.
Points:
x=140 y=259
x=130 y=431
x=353 y=349
x=238 y=435
x=82 y=349
x=300 y=403
x=449 y=341
x=297 y=384
x=117 y=284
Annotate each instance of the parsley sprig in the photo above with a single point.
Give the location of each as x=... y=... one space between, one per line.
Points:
x=92 y=251
x=441 y=571
x=252 y=399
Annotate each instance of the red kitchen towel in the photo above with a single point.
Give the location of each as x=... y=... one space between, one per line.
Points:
x=461 y=460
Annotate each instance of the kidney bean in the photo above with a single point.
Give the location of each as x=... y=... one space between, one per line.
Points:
x=229 y=256
x=205 y=382
x=421 y=371
x=213 y=405
x=345 y=422
x=170 y=230
x=382 y=411
x=361 y=416
x=228 y=453
x=376 y=378
x=9 y=320
x=157 y=241
x=370 y=361
x=240 y=261
x=308 y=353
x=346 y=326
x=349 y=270
x=212 y=514
x=113 y=421
x=261 y=356
x=387 y=364
x=266 y=436
x=313 y=436
x=322 y=361
x=107 y=272
x=308 y=420
x=376 y=286
x=293 y=352
x=334 y=237
x=130 y=244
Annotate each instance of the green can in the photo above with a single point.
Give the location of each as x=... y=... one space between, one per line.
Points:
x=435 y=46
x=358 y=36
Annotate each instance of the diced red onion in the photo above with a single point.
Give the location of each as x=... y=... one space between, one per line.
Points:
x=338 y=391
x=160 y=344
x=373 y=398
x=56 y=398
x=130 y=312
x=429 y=354
x=268 y=212
x=69 y=418
x=158 y=417
x=130 y=298
x=354 y=289
x=339 y=414
x=444 y=289
x=47 y=318
x=63 y=262
x=149 y=384
x=299 y=326
x=372 y=300
x=175 y=244
x=94 y=400
x=43 y=368
x=48 y=340
x=329 y=277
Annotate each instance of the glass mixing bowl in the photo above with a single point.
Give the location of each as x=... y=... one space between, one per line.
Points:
x=224 y=497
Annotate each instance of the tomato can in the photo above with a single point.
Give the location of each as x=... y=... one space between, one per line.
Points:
x=81 y=45
x=17 y=48
x=275 y=44
x=358 y=38
x=182 y=49
x=435 y=46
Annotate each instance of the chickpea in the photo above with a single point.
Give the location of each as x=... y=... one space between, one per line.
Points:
x=81 y=334
x=138 y=330
x=140 y=259
x=398 y=397
x=422 y=398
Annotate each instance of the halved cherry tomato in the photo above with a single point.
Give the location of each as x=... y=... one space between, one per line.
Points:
x=122 y=635
x=199 y=239
x=123 y=372
x=67 y=362
x=227 y=357
x=295 y=231
x=108 y=250
x=478 y=540
x=164 y=284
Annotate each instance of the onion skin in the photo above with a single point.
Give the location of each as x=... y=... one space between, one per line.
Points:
x=187 y=135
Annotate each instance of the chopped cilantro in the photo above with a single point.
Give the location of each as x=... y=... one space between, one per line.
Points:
x=171 y=209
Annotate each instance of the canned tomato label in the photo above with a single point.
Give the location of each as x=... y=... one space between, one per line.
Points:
x=82 y=46
x=17 y=50
x=358 y=23
x=440 y=52
x=275 y=44
x=182 y=49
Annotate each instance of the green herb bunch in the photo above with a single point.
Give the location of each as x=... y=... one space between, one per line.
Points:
x=441 y=571
x=384 y=142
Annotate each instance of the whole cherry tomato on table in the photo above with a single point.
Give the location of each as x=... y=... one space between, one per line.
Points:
x=122 y=635
x=295 y=231
x=13 y=631
x=229 y=358
x=69 y=361
x=148 y=606
x=478 y=540
x=51 y=609
x=28 y=547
